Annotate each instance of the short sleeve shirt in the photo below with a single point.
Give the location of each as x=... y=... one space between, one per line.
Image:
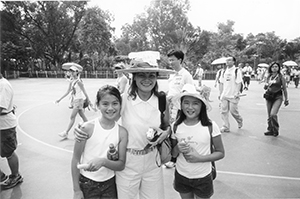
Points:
x=177 y=81
x=230 y=82
x=198 y=137
x=6 y=102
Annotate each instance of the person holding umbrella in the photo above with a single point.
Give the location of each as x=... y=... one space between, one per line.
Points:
x=78 y=92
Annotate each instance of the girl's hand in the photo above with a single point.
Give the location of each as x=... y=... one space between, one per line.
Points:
x=286 y=102
x=192 y=156
x=78 y=195
x=184 y=147
x=79 y=134
x=95 y=164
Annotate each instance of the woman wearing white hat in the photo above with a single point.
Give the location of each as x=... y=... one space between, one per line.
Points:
x=142 y=177
x=78 y=92
x=194 y=131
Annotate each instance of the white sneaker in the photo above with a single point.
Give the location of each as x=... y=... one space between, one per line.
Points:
x=63 y=134
x=170 y=164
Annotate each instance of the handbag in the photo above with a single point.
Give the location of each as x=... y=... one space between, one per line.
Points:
x=213 y=165
x=85 y=103
x=268 y=95
x=164 y=148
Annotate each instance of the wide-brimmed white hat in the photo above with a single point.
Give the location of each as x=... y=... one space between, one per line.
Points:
x=190 y=90
x=72 y=66
x=140 y=66
x=145 y=61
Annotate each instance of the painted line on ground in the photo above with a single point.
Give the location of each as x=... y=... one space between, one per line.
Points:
x=259 y=175
x=65 y=150
x=33 y=138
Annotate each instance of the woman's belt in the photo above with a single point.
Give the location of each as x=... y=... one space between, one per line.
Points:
x=140 y=152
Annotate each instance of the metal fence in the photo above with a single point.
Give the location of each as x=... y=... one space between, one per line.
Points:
x=104 y=74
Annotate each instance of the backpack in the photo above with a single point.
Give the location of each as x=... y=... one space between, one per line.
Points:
x=235 y=72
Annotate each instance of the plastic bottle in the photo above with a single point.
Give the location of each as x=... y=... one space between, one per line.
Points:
x=112 y=153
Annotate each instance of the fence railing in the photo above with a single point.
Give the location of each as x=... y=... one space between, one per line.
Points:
x=85 y=74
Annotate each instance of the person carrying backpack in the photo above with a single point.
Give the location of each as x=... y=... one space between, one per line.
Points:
x=230 y=85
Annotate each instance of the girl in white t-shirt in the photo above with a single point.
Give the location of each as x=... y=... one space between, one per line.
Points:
x=191 y=130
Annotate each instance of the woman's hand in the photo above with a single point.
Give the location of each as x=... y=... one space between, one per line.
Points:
x=80 y=135
x=162 y=136
x=286 y=102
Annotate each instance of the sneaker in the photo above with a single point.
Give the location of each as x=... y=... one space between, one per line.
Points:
x=170 y=164
x=224 y=130
x=4 y=178
x=12 y=181
x=240 y=125
x=269 y=133
x=63 y=134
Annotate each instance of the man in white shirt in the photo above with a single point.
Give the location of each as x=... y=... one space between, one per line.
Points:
x=199 y=72
x=230 y=84
x=247 y=71
x=8 y=123
x=176 y=82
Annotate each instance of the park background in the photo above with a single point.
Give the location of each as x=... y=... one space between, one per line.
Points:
x=37 y=37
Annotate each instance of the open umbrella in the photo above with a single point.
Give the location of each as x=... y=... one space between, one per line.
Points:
x=66 y=66
x=221 y=60
x=263 y=65
x=290 y=63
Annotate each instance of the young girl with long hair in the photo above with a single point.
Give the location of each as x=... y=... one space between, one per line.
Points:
x=97 y=179
x=193 y=172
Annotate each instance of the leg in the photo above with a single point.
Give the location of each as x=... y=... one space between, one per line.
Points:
x=235 y=112
x=72 y=119
x=187 y=195
x=269 y=105
x=274 y=117
x=13 y=163
x=225 y=115
x=82 y=115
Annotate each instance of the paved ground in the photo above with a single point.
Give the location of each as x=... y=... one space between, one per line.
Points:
x=255 y=166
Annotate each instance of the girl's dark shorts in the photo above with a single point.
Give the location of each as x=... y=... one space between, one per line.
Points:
x=96 y=190
x=8 y=142
x=202 y=187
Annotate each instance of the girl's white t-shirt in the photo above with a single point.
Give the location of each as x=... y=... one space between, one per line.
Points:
x=198 y=137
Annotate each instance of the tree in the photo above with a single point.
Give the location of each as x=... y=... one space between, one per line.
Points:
x=47 y=26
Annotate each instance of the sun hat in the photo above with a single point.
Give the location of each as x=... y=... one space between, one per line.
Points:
x=145 y=62
x=190 y=90
x=72 y=66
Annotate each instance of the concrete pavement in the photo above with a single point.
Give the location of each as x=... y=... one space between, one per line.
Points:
x=255 y=166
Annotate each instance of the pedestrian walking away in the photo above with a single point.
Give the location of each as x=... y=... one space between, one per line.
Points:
x=247 y=71
x=199 y=73
x=8 y=124
x=78 y=92
x=276 y=93
x=122 y=81
x=194 y=131
x=175 y=83
x=230 y=84
x=142 y=177
x=93 y=168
